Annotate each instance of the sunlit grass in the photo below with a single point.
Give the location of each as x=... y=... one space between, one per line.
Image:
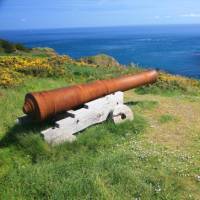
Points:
x=106 y=161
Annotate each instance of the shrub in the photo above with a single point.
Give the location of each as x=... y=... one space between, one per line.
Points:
x=9 y=47
x=101 y=60
x=14 y=68
x=21 y=47
x=170 y=84
x=10 y=78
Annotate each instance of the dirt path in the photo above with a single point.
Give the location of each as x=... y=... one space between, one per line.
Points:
x=181 y=130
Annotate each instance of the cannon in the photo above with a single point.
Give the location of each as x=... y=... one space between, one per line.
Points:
x=83 y=103
x=42 y=105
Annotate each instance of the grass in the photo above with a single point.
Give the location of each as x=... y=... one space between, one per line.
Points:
x=154 y=157
x=167 y=118
x=105 y=162
x=31 y=159
x=143 y=105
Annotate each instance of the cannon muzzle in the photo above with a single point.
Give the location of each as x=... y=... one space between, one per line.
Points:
x=42 y=105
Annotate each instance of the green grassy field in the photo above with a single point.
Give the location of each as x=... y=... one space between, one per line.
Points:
x=156 y=156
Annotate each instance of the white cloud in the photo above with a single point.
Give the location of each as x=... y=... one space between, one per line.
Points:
x=191 y=15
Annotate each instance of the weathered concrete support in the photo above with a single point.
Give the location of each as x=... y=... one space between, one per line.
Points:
x=91 y=113
x=121 y=113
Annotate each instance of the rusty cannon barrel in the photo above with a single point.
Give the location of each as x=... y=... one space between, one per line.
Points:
x=42 y=105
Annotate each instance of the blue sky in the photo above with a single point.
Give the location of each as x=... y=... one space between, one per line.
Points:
x=37 y=14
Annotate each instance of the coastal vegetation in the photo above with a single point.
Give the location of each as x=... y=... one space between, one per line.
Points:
x=10 y=47
x=154 y=157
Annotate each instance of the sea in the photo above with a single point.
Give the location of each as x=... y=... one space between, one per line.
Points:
x=171 y=48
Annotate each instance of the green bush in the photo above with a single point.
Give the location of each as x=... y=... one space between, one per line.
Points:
x=21 y=47
x=9 y=47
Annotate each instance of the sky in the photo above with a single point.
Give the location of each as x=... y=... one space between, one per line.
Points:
x=44 y=14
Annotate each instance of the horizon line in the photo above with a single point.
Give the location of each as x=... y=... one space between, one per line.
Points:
x=87 y=27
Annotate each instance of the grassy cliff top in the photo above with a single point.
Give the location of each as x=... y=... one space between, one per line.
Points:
x=156 y=156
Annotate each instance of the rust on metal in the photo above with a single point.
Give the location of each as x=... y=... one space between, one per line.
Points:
x=42 y=105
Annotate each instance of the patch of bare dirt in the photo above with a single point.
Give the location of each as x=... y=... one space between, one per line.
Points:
x=175 y=134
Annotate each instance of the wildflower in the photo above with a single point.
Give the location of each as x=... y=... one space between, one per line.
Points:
x=158 y=189
x=198 y=178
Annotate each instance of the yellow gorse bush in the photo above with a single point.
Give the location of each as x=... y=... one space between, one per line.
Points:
x=9 y=78
x=14 y=68
x=179 y=80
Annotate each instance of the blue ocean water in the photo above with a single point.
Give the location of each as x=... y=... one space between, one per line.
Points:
x=175 y=48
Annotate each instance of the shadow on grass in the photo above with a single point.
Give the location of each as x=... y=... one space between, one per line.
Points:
x=22 y=130
x=27 y=140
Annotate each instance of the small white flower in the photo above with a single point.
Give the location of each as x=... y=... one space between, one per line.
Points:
x=137 y=198
x=158 y=189
x=198 y=178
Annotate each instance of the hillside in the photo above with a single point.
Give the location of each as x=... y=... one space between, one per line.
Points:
x=10 y=47
x=154 y=157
